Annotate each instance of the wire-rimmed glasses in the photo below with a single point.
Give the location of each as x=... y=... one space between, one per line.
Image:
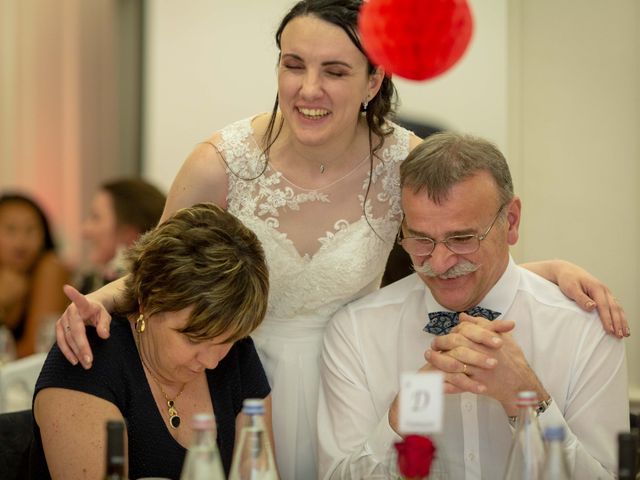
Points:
x=458 y=244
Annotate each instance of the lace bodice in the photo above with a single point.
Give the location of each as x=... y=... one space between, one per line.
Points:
x=324 y=247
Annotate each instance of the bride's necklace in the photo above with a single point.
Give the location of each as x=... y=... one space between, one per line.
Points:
x=322 y=170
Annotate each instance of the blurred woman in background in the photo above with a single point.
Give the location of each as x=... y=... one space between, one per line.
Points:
x=31 y=274
x=121 y=211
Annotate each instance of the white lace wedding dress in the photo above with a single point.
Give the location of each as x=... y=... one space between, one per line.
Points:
x=324 y=249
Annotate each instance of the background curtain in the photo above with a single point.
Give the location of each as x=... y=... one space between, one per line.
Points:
x=70 y=80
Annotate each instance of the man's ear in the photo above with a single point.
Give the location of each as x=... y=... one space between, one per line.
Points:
x=513 y=220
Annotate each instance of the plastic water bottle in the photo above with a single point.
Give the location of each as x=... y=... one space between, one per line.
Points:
x=253 y=458
x=527 y=456
x=556 y=466
x=202 y=461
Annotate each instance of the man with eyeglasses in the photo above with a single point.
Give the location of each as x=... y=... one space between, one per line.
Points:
x=460 y=217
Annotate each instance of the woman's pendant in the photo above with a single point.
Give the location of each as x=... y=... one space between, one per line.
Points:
x=174 y=418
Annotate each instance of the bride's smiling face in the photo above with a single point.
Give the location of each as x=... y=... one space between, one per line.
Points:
x=322 y=80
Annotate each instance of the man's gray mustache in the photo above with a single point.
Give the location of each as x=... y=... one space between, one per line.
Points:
x=463 y=268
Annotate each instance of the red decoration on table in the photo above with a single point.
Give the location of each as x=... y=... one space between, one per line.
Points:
x=415 y=39
x=415 y=454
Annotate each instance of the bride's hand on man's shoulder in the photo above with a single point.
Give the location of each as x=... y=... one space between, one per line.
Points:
x=71 y=332
x=591 y=294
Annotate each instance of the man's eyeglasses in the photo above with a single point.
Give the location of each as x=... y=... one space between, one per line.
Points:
x=458 y=244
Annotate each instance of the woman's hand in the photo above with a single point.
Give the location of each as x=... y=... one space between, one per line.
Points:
x=71 y=333
x=590 y=293
x=587 y=291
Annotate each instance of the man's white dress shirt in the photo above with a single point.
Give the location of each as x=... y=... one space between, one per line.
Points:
x=370 y=342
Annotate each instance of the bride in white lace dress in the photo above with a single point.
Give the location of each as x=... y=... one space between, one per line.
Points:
x=317 y=180
x=324 y=246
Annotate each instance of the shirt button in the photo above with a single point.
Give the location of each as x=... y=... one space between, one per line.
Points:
x=471 y=456
x=468 y=407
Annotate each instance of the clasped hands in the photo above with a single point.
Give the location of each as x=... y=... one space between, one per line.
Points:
x=480 y=356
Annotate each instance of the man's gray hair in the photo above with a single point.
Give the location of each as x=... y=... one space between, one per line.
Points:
x=445 y=159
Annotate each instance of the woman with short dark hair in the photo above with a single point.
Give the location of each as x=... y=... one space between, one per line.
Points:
x=179 y=345
x=121 y=210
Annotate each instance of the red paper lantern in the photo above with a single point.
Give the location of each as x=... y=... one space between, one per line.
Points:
x=415 y=39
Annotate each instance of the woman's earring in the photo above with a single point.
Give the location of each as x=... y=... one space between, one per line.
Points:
x=140 y=325
x=365 y=104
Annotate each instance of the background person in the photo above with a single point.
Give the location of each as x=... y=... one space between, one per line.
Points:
x=317 y=181
x=31 y=274
x=121 y=210
x=461 y=216
x=198 y=286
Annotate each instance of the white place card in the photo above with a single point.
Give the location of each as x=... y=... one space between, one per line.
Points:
x=421 y=402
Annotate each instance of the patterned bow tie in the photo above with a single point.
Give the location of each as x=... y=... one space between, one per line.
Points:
x=440 y=323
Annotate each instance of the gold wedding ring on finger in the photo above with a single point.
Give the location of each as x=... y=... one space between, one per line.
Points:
x=464 y=369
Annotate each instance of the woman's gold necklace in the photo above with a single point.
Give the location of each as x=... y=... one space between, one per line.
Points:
x=174 y=417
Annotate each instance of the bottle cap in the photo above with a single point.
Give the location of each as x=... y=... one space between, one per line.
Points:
x=554 y=433
x=527 y=398
x=203 y=421
x=253 y=406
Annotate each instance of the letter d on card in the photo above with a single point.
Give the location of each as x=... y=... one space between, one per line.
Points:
x=421 y=402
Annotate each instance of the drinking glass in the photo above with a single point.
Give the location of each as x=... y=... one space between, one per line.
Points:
x=46 y=333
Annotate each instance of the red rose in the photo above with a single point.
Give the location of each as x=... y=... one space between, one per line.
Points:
x=415 y=455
